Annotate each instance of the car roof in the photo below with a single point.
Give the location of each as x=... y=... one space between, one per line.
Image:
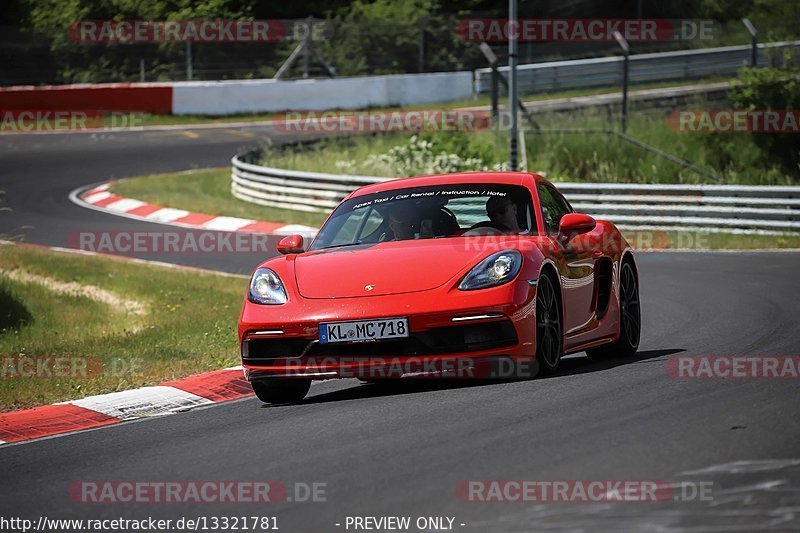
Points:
x=502 y=178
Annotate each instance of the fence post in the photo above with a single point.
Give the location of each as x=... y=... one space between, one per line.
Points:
x=495 y=91
x=626 y=65
x=751 y=29
x=307 y=47
x=189 y=72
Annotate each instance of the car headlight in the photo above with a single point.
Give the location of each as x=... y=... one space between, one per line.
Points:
x=266 y=288
x=495 y=270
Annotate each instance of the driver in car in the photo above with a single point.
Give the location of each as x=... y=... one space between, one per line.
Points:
x=503 y=214
x=402 y=223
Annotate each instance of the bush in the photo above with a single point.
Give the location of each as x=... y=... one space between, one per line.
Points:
x=773 y=89
x=434 y=153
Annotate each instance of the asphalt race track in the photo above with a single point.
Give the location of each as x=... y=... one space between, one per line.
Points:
x=37 y=173
x=402 y=449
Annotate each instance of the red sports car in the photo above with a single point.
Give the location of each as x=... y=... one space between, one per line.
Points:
x=487 y=275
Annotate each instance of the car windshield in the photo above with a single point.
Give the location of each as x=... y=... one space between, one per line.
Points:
x=427 y=213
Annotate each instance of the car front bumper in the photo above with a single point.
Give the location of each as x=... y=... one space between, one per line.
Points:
x=462 y=334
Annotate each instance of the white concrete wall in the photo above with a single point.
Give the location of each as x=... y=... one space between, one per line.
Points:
x=253 y=96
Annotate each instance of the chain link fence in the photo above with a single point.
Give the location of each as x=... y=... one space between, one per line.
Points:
x=339 y=47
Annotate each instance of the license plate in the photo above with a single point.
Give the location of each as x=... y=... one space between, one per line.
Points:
x=364 y=330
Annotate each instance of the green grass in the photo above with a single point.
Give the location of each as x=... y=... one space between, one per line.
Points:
x=600 y=157
x=576 y=156
x=348 y=155
x=148 y=119
x=189 y=325
x=659 y=240
x=206 y=191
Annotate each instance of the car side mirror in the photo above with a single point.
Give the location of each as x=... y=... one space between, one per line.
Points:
x=573 y=224
x=293 y=244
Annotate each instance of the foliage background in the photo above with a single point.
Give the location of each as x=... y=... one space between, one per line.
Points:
x=363 y=36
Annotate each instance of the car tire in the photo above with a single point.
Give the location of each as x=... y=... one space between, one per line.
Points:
x=549 y=334
x=630 y=319
x=281 y=391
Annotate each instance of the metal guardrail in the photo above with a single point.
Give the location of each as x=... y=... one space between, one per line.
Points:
x=655 y=67
x=292 y=189
x=711 y=208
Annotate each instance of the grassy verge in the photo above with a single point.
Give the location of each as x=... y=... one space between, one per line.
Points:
x=206 y=191
x=564 y=154
x=601 y=157
x=56 y=304
x=690 y=240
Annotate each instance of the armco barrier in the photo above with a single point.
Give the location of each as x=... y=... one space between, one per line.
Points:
x=712 y=208
x=292 y=189
x=644 y=68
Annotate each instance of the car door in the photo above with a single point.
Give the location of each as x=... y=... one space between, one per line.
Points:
x=576 y=267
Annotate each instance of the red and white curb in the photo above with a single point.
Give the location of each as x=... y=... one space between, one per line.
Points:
x=107 y=409
x=101 y=199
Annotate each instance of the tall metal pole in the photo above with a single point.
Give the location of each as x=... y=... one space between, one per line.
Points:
x=512 y=83
x=626 y=49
